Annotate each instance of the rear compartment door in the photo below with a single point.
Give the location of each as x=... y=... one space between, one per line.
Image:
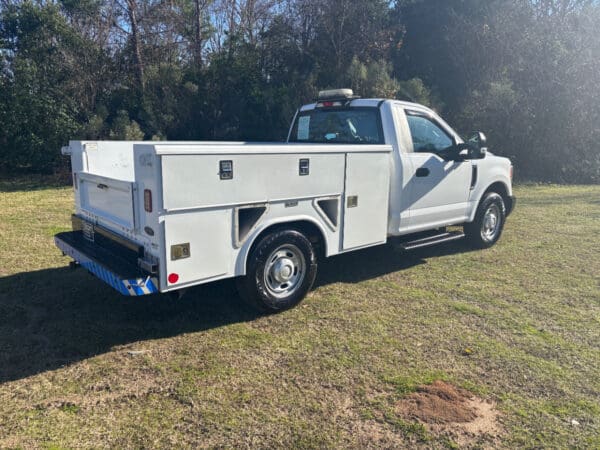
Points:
x=109 y=199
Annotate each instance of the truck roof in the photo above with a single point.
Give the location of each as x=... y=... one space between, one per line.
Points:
x=371 y=102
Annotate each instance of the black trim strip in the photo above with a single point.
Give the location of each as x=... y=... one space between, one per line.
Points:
x=77 y=225
x=473 y=176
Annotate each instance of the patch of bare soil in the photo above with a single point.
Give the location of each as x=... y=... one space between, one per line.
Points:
x=447 y=410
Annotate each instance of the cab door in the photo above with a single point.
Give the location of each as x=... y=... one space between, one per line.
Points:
x=438 y=189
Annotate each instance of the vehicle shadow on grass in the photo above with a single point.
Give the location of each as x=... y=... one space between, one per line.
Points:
x=362 y=265
x=55 y=317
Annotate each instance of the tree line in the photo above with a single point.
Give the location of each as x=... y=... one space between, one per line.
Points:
x=526 y=72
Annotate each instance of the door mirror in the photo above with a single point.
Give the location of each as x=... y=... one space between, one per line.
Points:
x=477 y=146
x=474 y=148
x=478 y=139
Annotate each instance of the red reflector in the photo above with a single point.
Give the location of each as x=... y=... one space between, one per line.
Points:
x=148 y=200
x=173 y=278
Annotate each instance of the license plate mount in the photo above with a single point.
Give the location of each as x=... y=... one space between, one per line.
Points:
x=88 y=230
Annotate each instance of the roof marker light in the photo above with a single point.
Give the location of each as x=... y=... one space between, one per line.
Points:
x=336 y=94
x=335 y=98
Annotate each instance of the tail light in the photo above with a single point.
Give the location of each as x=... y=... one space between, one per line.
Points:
x=511 y=173
x=147 y=200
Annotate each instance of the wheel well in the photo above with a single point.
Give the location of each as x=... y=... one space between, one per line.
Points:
x=499 y=188
x=307 y=228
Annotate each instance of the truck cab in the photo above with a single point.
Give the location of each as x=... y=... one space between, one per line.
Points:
x=437 y=179
x=161 y=217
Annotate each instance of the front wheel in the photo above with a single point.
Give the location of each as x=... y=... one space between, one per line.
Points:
x=281 y=270
x=487 y=227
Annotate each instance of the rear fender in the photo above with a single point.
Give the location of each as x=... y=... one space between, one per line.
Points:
x=264 y=228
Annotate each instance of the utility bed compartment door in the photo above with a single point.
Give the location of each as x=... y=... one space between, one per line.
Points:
x=366 y=199
x=107 y=198
x=207 y=236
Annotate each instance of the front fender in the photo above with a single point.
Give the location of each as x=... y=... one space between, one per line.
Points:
x=483 y=187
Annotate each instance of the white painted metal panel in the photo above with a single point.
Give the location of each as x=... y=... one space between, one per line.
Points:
x=254 y=148
x=397 y=131
x=147 y=176
x=367 y=179
x=209 y=234
x=441 y=197
x=192 y=181
x=112 y=159
x=115 y=159
x=107 y=198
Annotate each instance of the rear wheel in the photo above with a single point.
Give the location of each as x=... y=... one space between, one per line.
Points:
x=281 y=270
x=487 y=227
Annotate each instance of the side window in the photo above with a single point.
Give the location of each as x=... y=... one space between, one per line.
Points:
x=427 y=136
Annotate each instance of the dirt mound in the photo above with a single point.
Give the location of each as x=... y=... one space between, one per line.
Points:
x=444 y=408
x=439 y=403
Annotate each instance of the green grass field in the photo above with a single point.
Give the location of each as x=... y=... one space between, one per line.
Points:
x=519 y=325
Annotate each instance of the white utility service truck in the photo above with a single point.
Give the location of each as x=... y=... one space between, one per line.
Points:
x=163 y=216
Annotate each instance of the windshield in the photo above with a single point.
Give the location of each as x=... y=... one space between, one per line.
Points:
x=339 y=126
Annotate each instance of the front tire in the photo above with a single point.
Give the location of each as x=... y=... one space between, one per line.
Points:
x=489 y=221
x=281 y=270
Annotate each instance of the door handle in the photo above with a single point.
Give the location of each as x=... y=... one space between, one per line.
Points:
x=422 y=172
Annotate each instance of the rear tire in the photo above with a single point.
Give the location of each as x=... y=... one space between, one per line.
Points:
x=487 y=227
x=281 y=270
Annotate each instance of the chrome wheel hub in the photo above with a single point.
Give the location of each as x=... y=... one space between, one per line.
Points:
x=491 y=222
x=284 y=271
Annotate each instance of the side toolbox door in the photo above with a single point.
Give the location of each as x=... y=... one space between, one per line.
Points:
x=366 y=199
x=197 y=237
x=198 y=244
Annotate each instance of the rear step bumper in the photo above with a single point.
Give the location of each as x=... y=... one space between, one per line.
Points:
x=110 y=267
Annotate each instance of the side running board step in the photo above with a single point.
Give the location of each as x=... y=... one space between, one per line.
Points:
x=431 y=240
